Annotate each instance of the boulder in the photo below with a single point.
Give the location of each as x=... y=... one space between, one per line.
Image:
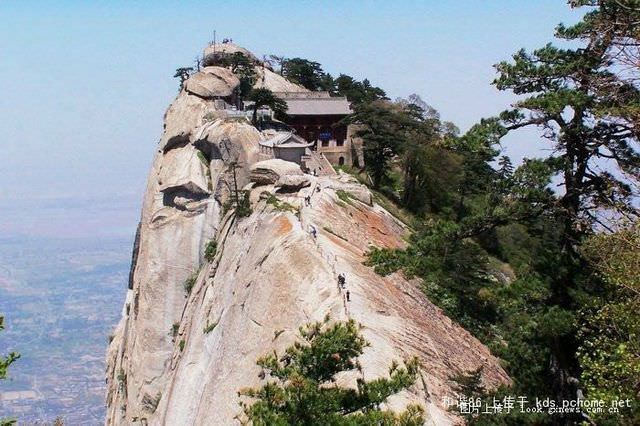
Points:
x=182 y=169
x=215 y=82
x=227 y=48
x=268 y=172
x=359 y=192
x=183 y=116
x=226 y=140
x=291 y=183
x=223 y=74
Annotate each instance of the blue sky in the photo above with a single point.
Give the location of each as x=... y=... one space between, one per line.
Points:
x=84 y=84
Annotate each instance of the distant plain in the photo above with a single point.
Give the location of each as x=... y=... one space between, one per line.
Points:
x=64 y=267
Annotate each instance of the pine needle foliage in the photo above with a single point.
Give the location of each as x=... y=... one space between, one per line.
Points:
x=301 y=388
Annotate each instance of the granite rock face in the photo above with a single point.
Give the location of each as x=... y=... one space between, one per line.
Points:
x=191 y=330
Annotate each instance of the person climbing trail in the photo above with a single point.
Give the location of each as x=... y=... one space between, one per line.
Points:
x=307 y=200
x=312 y=230
x=341 y=280
x=348 y=296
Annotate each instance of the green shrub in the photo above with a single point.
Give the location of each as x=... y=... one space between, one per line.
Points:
x=384 y=261
x=209 y=117
x=122 y=381
x=190 y=282
x=226 y=206
x=149 y=403
x=210 y=327
x=243 y=209
x=203 y=158
x=344 y=196
x=205 y=162
x=174 y=330
x=181 y=345
x=281 y=206
x=301 y=386
x=210 y=250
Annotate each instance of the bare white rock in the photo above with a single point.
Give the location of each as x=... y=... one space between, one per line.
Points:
x=212 y=82
x=184 y=116
x=182 y=168
x=268 y=172
x=293 y=182
x=275 y=82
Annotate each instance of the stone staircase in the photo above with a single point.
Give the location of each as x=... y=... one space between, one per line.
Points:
x=314 y=161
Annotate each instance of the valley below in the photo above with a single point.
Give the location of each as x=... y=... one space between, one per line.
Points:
x=61 y=291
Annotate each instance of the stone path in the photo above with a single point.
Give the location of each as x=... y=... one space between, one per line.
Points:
x=314 y=161
x=332 y=260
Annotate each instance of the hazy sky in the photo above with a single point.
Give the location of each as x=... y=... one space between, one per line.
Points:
x=84 y=84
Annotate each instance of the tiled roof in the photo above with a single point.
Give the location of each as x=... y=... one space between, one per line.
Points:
x=286 y=140
x=318 y=106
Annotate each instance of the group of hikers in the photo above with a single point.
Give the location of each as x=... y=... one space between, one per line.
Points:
x=307 y=198
x=342 y=281
x=342 y=284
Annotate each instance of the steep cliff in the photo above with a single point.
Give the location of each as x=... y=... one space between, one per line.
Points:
x=179 y=357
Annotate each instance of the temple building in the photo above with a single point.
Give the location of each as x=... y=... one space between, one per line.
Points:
x=286 y=146
x=317 y=117
x=313 y=126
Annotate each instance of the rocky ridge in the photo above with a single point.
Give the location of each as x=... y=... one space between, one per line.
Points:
x=179 y=358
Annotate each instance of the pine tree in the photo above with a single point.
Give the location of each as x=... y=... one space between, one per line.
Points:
x=5 y=362
x=264 y=97
x=183 y=74
x=308 y=74
x=584 y=106
x=303 y=389
x=505 y=167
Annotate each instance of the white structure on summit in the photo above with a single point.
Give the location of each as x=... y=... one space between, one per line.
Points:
x=286 y=146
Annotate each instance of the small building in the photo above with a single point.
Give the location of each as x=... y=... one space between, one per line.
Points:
x=317 y=117
x=285 y=146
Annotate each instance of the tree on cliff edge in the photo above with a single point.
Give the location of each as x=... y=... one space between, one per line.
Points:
x=5 y=362
x=264 y=97
x=586 y=106
x=304 y=390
